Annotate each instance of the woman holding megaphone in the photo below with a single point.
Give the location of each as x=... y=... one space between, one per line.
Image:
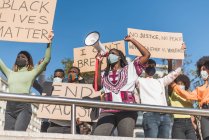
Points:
x=20 y=80
x=118 y=83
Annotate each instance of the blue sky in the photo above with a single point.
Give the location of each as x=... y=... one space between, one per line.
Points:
x=76 y=18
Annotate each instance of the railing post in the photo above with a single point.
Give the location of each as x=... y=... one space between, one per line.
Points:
x=73 y=119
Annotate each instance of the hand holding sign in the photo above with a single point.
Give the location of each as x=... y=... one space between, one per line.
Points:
x=183 y=46
x=51 y=36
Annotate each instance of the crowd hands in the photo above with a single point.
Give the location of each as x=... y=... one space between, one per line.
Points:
x=121 y=81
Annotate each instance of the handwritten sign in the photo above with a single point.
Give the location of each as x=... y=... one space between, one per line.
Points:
x=26 y=20
x=84 y=57
x=160 y=44
x=68 y=90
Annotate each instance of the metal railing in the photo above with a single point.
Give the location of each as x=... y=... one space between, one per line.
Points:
x=91 y=103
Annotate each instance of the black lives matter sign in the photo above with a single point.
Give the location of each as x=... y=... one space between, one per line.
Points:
x=26 y=20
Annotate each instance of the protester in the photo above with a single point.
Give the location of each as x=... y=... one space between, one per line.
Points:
x=74 y=75
x=118 y=82
x=20 y=80
x=182 y=126
x=200 y=93
x=59 y=126
x=152 y=92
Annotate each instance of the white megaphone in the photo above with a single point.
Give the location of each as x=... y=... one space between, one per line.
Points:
x=92 y=39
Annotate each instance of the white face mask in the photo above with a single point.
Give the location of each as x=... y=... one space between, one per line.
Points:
x=113 y=58
x=204 y=74
x=182 y=87
x=57 y=80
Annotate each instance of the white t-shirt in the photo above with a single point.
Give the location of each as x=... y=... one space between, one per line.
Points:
x=152 y=91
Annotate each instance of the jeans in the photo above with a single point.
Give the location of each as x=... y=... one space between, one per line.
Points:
x=183 y=129
x=205 y=127
x=125 y=122
x=156 y=125
x=17 y=116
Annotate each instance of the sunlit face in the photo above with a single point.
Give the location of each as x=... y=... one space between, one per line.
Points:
x=204 y=73
x=73 y=75
x=74 y=70
x=203 y=68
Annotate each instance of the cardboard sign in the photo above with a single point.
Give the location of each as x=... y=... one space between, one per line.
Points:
x=68 y=90
x=26 y=20
x=84 y=57
x=160 y=44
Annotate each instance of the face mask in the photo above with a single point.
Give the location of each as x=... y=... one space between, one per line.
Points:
x=21 y=62
x=57 y=80
x=182 y=87
x=112 y=58
x=150 y=71
x=204 y=75
x=73 y=77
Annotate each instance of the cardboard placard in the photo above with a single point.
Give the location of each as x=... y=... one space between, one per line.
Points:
x=84 y=57
x=160 y=44
x=68 y=90
x=26 y=20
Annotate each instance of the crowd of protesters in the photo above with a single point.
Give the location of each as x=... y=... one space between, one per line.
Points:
x=118 y=83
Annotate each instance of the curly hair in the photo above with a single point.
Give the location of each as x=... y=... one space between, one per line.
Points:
x=123 y=61
x=185 y=79
x=203 y=61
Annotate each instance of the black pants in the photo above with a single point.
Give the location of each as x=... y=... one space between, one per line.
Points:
x=124 y=121
x=183 y=129
x=205 y=127
x=17 y=116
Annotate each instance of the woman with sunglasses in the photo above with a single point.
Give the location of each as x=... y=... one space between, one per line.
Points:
x=118 y=83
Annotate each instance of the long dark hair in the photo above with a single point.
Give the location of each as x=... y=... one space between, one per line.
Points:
x=123 y=61
x=30 y=61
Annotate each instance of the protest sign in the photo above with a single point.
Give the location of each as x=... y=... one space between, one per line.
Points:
x=68 y=90
x=84 y=57
x=160 y=44
x=26 y=20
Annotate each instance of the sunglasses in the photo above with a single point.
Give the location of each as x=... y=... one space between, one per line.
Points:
x=72 y=71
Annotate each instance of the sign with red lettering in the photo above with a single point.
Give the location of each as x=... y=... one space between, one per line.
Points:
x=26 y=20
x=160 y=44
x=84 y=57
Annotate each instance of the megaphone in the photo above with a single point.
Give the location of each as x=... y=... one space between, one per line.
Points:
x=92 y=39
